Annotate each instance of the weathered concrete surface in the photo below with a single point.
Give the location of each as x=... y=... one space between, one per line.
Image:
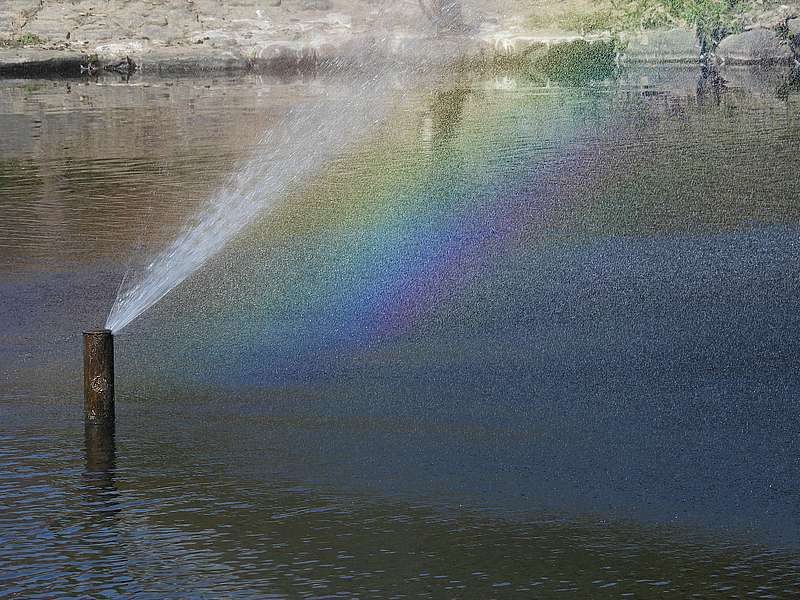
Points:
x=758 y=46
x=184 y=36
x=15 y=15
x=661 y=46
x=286 y=36
x=79 y=23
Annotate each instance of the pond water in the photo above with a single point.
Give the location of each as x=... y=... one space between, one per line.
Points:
x=522 y=339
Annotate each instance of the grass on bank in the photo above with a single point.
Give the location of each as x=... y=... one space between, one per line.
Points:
x=587 y=16
x=22 y=41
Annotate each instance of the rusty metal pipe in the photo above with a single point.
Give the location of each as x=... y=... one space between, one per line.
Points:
x=98 y=376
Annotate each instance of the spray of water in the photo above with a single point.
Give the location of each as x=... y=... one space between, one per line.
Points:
x=312 y=133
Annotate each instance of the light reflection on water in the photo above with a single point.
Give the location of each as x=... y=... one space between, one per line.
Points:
x=604 y=406
x=133 y=526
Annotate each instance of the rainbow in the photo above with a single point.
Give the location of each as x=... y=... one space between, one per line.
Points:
x=395 y=228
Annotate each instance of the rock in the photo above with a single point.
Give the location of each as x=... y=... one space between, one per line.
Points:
x=317 y=5
x=794 y=27
x=124 y=67
x=678 y=81
x=119 y=50
x=225 y=42
x=757 y=82
x=659 y=46
x=757 y=46
x=177 y=61
x=216 y=38
x=274 y=3
x=151 y=32
x=98 y=34
x=283 y=57
x=773 y=18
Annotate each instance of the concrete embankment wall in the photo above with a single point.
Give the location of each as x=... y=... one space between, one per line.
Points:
x=51 y=37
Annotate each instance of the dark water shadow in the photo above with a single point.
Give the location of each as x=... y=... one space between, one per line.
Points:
x=99 y=474
x=711 y=85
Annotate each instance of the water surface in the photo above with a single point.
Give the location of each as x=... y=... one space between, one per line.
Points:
x=526 y=338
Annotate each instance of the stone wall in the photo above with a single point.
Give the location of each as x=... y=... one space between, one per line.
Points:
x=277 y=35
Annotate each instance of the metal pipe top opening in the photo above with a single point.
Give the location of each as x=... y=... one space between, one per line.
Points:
x=98 y=332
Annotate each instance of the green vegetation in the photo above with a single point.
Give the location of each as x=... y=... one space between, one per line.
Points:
x=579 y=61
x=600 y=19
x=705 y=16
x=30 y=88
x=591 y=19
x=26 y=39
x=568 y=62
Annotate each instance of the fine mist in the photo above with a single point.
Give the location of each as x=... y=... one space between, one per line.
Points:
x=355 y=100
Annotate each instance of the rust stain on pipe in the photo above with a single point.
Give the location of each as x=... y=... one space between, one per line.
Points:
x=98 y=376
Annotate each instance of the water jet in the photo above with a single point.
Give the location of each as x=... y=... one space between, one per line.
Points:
x=98 y=376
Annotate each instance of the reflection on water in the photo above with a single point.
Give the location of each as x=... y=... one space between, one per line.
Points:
x=167 y=527
x=93 y=162
x=101 y=458
x=526 y=340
